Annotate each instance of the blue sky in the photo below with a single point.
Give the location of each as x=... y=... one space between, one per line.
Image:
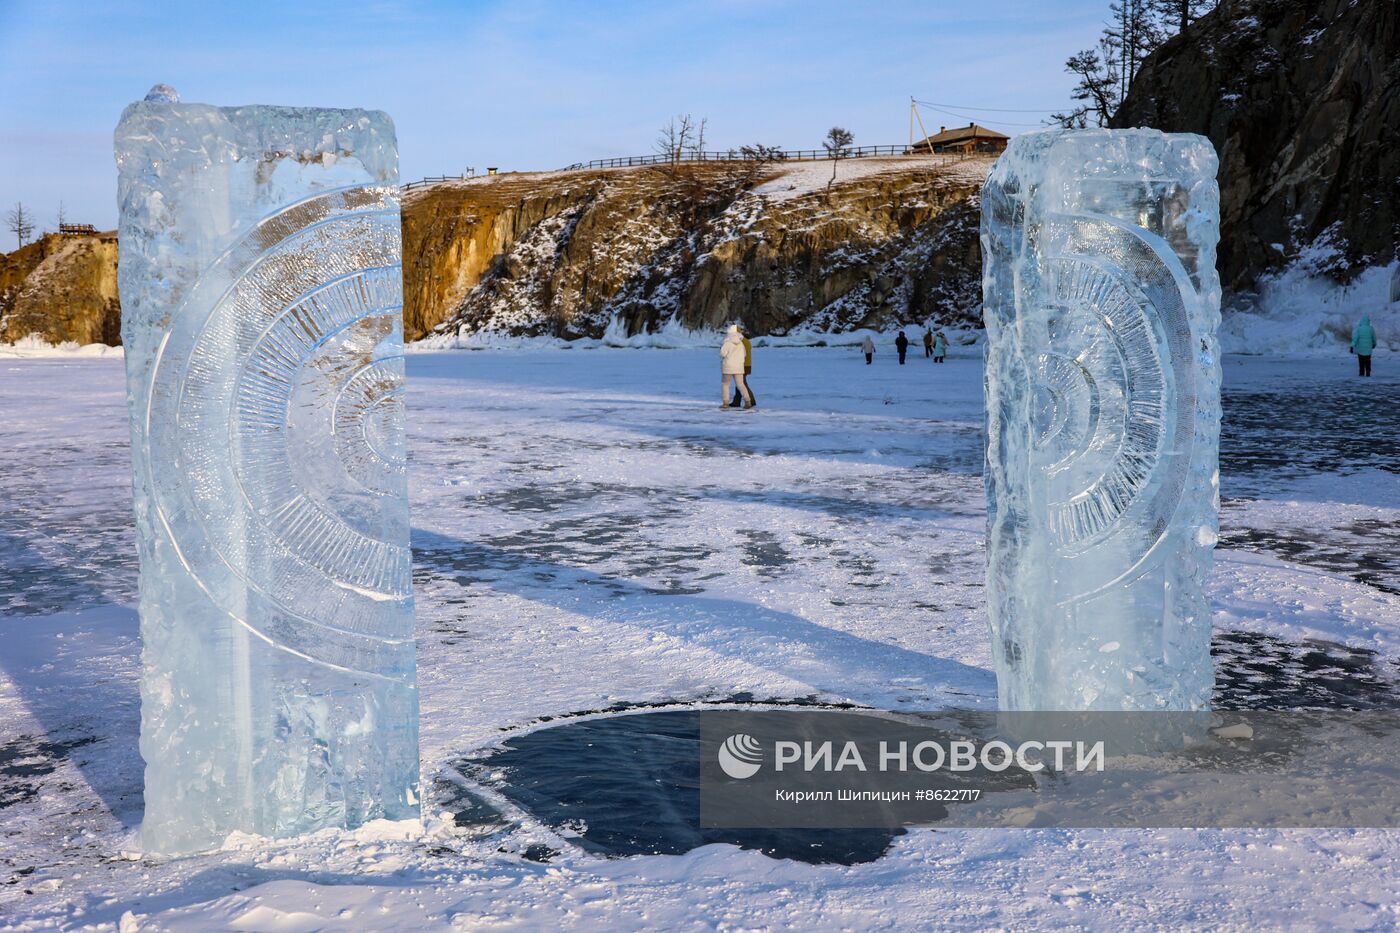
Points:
x=522 y=85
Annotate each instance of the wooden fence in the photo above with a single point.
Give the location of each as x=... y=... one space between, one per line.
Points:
x=732 y=155
x=433 y=180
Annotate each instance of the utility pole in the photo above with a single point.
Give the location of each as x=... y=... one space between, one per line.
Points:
x=914 y=115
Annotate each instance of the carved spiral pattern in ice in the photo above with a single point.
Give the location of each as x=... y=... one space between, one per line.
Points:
x=298 y=527
x=1102 y=384
x=1115 y=413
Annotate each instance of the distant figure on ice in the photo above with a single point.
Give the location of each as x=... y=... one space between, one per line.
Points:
x=748 y=371
x=928 y=343
x=731 y=367
x=940 y=347
x=1363 y=342
x=867 y=346
x=901 y=343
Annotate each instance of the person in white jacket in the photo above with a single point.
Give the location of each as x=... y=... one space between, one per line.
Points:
x=731 y=367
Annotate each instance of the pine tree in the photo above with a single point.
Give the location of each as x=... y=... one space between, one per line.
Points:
x=1135 y=32
x=1135 y=29
x=1174 y=16
x=1098 y=87
x=837 y=144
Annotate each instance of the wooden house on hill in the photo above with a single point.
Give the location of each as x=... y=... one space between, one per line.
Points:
x=965 y=139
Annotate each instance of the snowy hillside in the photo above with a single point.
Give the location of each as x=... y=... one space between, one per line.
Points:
x=1303 y=310
x=628 y=252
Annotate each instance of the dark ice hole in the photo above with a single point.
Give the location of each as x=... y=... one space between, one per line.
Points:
x=629 y=784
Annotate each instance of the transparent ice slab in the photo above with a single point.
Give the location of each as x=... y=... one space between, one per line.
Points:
x=1102 y=305
x=261 y=291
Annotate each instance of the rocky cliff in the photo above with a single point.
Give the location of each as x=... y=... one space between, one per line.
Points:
x=61 y=288
x=1302 y=101
x=581 y=254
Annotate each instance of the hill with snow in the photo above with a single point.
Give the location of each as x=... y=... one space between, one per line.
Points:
x=637 y=251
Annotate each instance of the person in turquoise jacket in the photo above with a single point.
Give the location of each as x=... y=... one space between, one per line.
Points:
x=1363 y=342
x=940 y=347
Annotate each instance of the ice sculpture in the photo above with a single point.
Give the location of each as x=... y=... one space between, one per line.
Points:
x=261 y=295
x=1103 y=418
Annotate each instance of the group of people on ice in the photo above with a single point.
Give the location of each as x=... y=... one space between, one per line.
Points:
x=935 y=346
x=736 y=362
x=736 y=358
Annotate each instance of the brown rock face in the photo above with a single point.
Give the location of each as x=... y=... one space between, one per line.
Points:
x=573 y=254
x=1302 y=101
x=881 y=250
x=61 y=288
x=454 y=235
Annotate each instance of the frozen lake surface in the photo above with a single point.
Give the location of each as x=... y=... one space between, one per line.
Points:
x=590 y=532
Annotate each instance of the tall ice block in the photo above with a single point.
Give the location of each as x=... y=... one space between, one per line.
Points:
x=261 y=296
x=1102 y=305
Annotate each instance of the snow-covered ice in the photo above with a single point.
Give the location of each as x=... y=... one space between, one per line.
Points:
x=1102 y=306
x=591 y=529
x=35 y=346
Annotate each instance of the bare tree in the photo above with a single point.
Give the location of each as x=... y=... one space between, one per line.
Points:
x=665 y=144
x=20 y=222
x=677 y=136
x=837 y=144
x=697 y=149
x=685 y=136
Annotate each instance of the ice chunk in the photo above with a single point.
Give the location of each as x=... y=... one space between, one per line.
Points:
x=261 y=312
x=1103 y=418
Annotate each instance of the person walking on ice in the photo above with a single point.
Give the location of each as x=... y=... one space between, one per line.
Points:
x=928 y=343
x=867 y=346
x=731 y=367
x=748 y=371
x=940 y=347
x=1363 y=343
x=901 y=343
